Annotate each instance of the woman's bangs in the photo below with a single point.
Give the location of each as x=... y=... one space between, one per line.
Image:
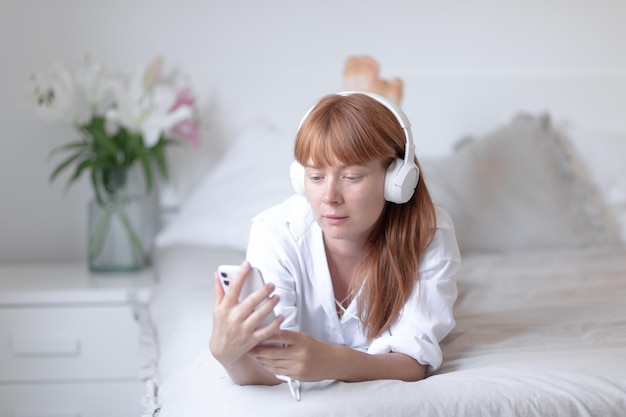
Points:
x=341 y=140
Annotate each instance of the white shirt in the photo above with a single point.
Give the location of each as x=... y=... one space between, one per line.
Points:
x=286 y=244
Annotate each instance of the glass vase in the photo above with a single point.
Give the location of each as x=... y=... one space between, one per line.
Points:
x=122 y=227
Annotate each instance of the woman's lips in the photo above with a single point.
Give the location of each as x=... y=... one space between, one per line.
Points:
x=334 y=220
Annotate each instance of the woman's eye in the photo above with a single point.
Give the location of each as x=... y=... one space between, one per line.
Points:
x=352 y=178
x=315 y=178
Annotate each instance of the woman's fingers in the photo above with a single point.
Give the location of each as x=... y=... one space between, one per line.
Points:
x=235 y=286
x=261 y=306
x=259 y=296
x=219 y=291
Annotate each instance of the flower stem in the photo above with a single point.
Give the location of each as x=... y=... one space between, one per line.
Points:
x=100 y=232
x=134 y=240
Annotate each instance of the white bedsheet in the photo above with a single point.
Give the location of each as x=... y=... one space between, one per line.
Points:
x=537 y=334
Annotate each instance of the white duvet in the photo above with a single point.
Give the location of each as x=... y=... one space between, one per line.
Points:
x=538 y=334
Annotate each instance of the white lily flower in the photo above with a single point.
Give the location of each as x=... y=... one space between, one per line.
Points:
x=53 y=95
x=148 y=111
x=128 y=106
x=93 y=86
x=154 y=126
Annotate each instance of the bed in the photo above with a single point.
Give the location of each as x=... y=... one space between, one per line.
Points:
x=540 y=215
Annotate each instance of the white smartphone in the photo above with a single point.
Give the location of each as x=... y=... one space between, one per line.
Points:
x=254 y=281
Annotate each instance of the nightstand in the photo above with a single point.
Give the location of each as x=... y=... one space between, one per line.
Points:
x=69 y=341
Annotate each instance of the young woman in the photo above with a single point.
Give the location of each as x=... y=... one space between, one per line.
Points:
x=362 y=272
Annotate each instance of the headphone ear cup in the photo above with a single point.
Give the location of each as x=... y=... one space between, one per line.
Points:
x=296 y=172
x=400 y=182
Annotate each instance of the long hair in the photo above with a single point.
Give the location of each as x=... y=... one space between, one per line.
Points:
x=356 y=129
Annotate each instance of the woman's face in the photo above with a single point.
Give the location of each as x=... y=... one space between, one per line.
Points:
x=347 y=200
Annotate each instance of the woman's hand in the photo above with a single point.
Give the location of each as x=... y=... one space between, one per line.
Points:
x=236 y=325
x=297 y=355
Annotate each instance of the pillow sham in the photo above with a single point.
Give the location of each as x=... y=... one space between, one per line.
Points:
x=515 y=190
x=251 y=175
x=598 y=159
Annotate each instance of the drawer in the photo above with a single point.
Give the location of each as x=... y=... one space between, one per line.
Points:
x=68 y=343
x=122 y=399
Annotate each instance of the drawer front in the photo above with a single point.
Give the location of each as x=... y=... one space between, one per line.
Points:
x=67 y=343
x=122 y=399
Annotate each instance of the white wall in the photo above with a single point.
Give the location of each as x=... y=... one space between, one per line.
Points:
x=275 y=57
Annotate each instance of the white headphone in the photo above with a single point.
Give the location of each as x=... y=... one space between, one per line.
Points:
x=402 y=175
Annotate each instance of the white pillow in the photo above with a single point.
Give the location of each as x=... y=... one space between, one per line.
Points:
x=599 y=159
x=514 y=190
x=252 y=175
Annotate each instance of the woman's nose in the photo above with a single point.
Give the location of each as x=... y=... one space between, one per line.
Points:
x=332 y=194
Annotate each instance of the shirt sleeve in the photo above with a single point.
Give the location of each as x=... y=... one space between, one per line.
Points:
x=270 y=250
x=427 y=317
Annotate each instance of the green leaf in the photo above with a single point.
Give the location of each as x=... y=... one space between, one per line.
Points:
x=69 y=146
x=101 y=141
x=64 y=165
x=88 y=163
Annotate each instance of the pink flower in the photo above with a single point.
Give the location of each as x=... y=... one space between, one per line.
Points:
x=187 y=129
x=185 y=98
